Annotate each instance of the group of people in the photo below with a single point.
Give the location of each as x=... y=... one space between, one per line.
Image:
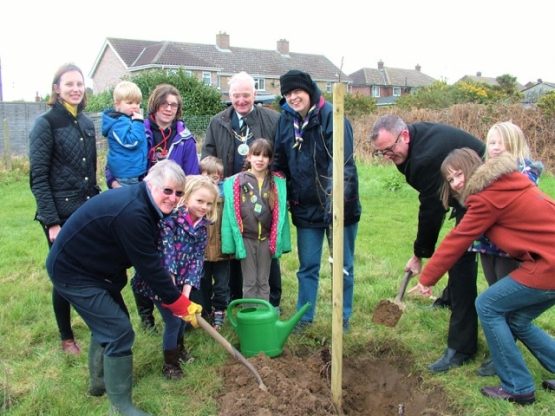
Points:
x=499 y=213
x=196 y=232
x=201 y=232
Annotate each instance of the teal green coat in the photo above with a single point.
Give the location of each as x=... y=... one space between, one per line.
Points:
x=232 y=226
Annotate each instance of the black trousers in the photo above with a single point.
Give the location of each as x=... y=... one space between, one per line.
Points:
x=62 y=308
x=236 y=281
x=145 y=308
x=462 y=291
x=214 y=285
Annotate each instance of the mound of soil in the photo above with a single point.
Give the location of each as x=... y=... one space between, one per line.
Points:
x=387 y=313
x=373 y=383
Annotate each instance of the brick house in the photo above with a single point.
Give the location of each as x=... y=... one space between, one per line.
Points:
x=387 y=84
x=213 y=64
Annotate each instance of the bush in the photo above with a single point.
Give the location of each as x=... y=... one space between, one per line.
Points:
x=355 y=104
x=99 y=102
x=547 y=104
x=538 y=127
x=198 y=99
x=441 y=95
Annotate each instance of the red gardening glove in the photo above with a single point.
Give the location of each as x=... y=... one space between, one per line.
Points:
x=179 y=307
x=184 y=308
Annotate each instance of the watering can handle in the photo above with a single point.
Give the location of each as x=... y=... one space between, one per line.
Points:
x=235 y=302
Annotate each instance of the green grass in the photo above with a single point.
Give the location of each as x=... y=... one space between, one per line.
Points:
x=37 y=379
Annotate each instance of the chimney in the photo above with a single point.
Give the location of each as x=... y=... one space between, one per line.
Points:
x=222 y=41
x=283 y=46
x=380 y=64
x=418 y=67
x=478 y=74
x=37 y=97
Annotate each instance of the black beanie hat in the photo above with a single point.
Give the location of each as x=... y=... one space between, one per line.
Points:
x=295 y=79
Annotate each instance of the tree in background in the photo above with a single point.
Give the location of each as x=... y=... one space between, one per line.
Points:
x=435 y=96
x=547 y=104
x=440 y=95
x=355 y=104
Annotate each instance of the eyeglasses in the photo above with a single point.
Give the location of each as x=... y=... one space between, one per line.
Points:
x=173 y=106
x=170 y=191
x=389 y=149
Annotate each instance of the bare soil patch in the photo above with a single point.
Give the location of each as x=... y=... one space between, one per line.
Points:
x=375 y=382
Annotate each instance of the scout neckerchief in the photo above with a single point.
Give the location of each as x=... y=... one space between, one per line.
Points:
x=299 y=125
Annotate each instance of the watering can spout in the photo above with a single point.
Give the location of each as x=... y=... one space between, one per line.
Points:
x=284 y=328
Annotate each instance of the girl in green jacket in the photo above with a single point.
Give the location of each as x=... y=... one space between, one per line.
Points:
x=255 y=223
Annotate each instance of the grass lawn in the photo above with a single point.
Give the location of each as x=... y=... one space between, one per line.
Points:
x=37 y=379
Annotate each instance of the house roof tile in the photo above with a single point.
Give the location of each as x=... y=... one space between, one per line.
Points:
x=138 y=54
x=388 y=76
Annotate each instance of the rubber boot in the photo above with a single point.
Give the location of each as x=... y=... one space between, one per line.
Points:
x=172 y=370
x=96 y=369
x=118 y=378
x=184 y=356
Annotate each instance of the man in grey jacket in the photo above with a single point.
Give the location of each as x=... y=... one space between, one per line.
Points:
x=228 y=136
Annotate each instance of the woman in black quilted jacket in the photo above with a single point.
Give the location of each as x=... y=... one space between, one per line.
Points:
x=63 y=169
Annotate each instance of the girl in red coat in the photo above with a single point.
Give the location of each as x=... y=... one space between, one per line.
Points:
x=505 y=206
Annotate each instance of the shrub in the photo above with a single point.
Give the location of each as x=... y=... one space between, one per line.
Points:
x=547 y=104
x=198 y=99
x=355 y=104
x=538 y=127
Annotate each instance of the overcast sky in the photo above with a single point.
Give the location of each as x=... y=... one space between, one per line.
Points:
x=447 y=38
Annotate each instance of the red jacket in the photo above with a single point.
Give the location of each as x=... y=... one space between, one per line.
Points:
x=514 y=214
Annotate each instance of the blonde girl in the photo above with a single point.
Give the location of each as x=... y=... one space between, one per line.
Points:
x=183 y=239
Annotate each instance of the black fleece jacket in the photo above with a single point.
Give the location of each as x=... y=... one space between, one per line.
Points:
x=429 y=144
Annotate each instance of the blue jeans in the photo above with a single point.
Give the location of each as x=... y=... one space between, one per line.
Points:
x=309 y=245
x=508 y=308
x=174 y=328
x=128 y=181
x=104 y=313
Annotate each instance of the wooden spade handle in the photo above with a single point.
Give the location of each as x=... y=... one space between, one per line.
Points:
x=227 y=345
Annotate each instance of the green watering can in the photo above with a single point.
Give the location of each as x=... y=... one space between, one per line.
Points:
x=259 y=328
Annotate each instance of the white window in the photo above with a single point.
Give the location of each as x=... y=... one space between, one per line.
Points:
x=375 y=90
x=329 y=87
x=188 y=73
x=207 y=78
x=260 y=84
x=396 y=91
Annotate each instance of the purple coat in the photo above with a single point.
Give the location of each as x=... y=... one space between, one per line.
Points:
x=182 y=147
